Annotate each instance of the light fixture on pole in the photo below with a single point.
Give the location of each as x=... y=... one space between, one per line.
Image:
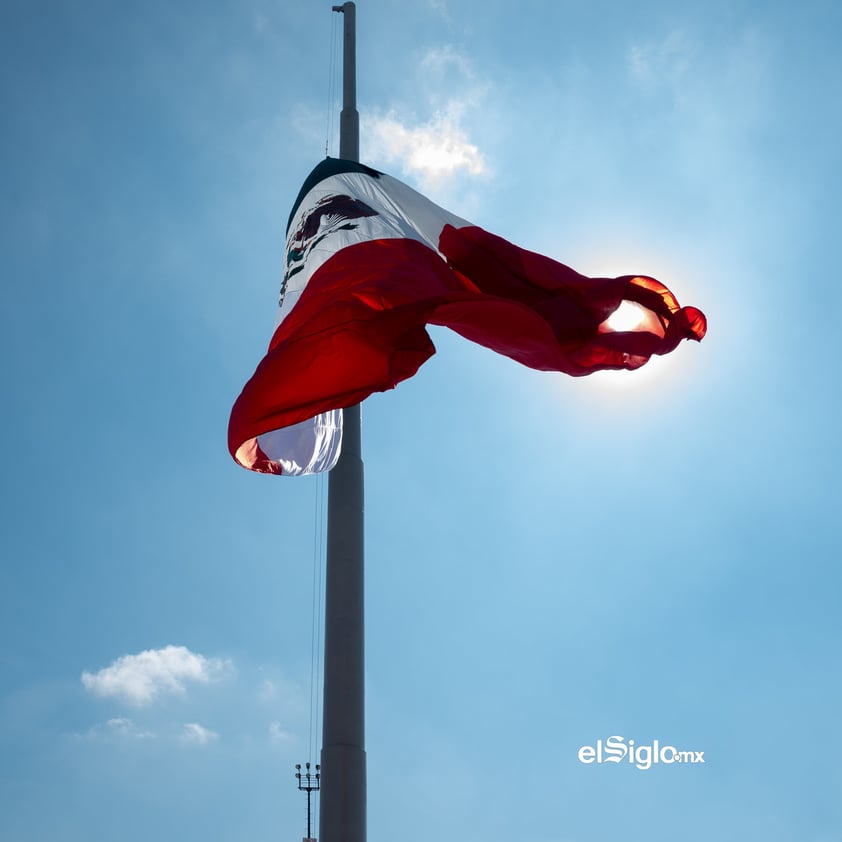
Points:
x=309 y=783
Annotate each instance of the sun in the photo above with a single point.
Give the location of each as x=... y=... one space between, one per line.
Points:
x=627 y=316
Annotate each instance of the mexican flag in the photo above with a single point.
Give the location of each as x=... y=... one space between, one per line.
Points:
x=369 y=264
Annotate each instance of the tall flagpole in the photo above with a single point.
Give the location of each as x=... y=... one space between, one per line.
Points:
x=342 y=809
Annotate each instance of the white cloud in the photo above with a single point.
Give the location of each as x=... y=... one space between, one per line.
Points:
x=433 y=151
x=440 y=60
x=126 y=728
x=277 y=734
x=664 y=61
x=268 y=690
x=123 y=729
x=119 y=728
x=198 y=735
x=140 y=679
x=441 y=7
x=437 y=146
x=711 y=105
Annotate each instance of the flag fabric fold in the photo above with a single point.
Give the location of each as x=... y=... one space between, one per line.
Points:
x=369 y=264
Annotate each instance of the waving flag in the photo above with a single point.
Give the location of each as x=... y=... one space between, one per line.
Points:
x=369 y=264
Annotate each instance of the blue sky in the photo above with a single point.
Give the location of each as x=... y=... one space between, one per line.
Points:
x=550 y=561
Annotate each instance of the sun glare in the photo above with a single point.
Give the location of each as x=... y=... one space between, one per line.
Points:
x=627 y=316
x=656 y=369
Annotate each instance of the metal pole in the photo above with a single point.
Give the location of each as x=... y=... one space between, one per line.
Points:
x=309 y=784
x=349 y=118
x=342 y=807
